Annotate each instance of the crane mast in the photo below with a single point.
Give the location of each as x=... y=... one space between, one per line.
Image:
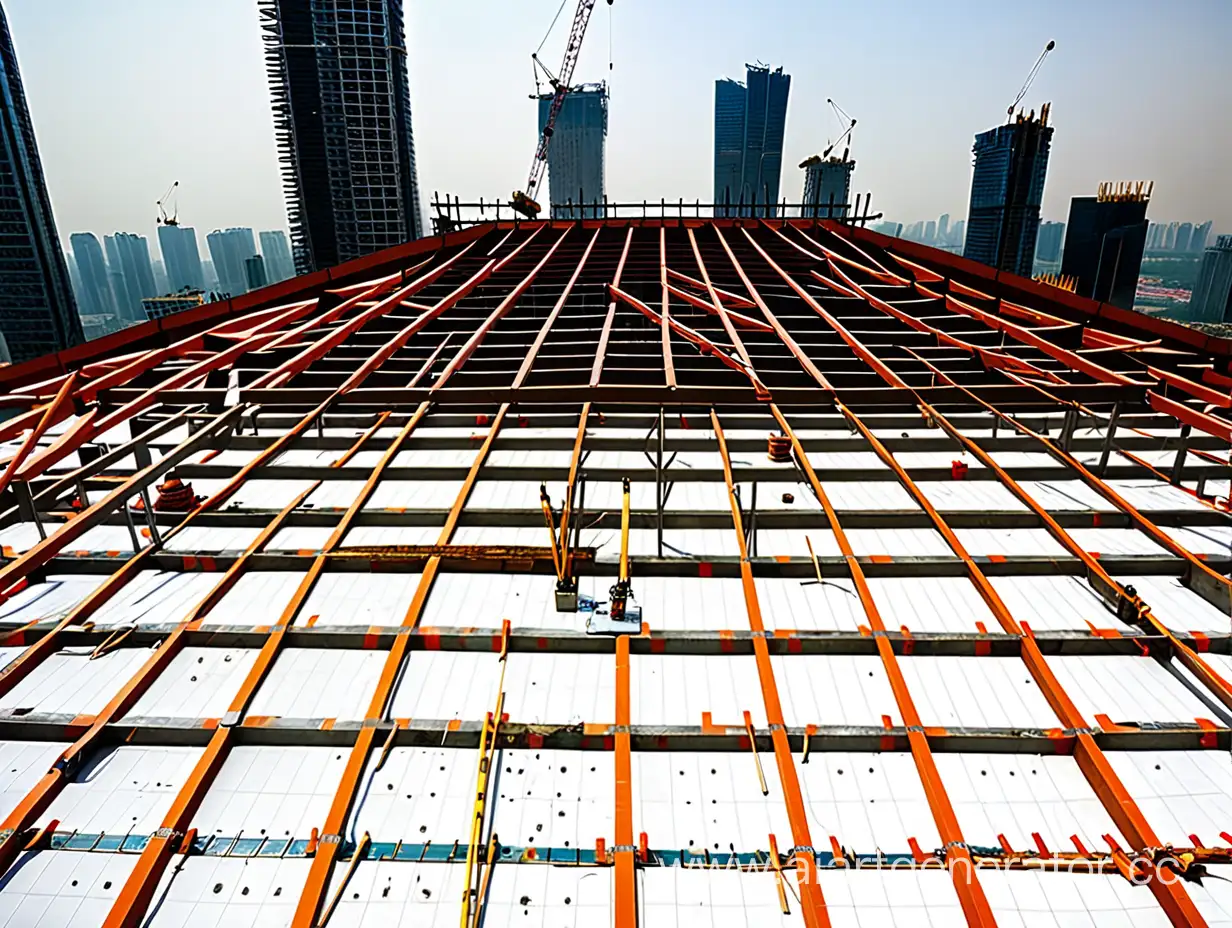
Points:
x=523 y=201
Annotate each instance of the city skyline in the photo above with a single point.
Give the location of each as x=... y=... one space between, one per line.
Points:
x=73 y=74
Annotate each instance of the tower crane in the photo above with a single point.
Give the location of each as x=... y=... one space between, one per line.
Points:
x=1030 y=78
x=842 y=117
x=524 y=200
x=163 y=218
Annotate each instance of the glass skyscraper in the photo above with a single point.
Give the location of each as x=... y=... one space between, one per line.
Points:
x=38 y=314
x=277 y=255
x=576 y=162
x=229 y=250
x=342 y=120
x=749 y=122
x=1007 y=188
x=181 y=257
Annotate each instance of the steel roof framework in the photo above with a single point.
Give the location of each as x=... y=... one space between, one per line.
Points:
x=578 y=353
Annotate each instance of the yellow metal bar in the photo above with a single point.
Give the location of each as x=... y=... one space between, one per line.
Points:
x=624 y=531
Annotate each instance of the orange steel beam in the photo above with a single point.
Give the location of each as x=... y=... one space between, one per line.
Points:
x=50 y=415
x=665 y=318
x=777 y=326
x=625 y=877
x=1213 y=681
x=501 y=309
x=728 y=326
x=878 y=270
x=814 y=906
x=958 y=856
x=735 y=299
x=566 y=508
x=1115 y=798
x=704 y=345
x=130 y=906
x=1107 y=786
x=322 y=346
x=529 y=361
x=743 y=321
x=49 y=547
x=313 y=896
x=852 y=342
x=596 y=370
x=1205 y=422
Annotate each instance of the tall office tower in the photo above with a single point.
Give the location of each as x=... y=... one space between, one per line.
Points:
x=132 y=276
x=930 y=231
x=943 y=229
x=749 y=122
x=1184 y=233
x=1212 y=294
x=277 y=254
x=958 y=234
x=342 y=117
x=1007 y=188
x=1197 y=241
x=254 y=272
x=827 y=186
x=1048 y=242
x=38 y=314
x=576 y=159
x=1154 y=236
x=230 y=249
x=94 y=297
x=181 y=257
x=1170 y=236
x=1105 y=241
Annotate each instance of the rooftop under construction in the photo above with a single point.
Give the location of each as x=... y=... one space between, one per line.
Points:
x=642 y=571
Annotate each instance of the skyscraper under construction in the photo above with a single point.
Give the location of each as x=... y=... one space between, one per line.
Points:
x=1007 y=188
x=342 y=117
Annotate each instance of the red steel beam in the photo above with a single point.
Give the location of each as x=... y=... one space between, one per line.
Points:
x=596 y=371
x=498 y=313
x=665 y=318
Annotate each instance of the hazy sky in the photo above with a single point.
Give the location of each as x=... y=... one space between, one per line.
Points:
x=129 y=95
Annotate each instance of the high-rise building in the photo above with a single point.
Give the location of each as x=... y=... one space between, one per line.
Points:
x=1197 y=242
x=1170 y=236
x=1104 y=243
x=1212 y=294
x=1007 y=188
x=181 y=257
x=254 y=272
x=749 y=123
x=1184 y=233
x=576 y=171
x=827 y=186
x=1048 y=242
x=342 y=119
x=94 y=296
x=943 y=228
x=132 y=276
x=930 y=231
x=958 y=233
x=38 y=314
x=277 y=254
x=230 y=249
x=1155 y=236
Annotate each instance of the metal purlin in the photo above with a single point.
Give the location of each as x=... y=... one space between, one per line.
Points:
x=1188 y=657
x=1119 y=804
x=40 y=796
x=957 y=855
x=813 y=903
x=130 y=906
x=596 y=370
x=331 y=844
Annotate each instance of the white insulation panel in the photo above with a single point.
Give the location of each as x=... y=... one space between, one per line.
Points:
x=975 y=692
x=64 y=889
x=676 y=689
x=1126 y=688
x=313 y=683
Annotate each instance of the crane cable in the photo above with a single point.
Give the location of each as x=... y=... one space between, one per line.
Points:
x=547 y=34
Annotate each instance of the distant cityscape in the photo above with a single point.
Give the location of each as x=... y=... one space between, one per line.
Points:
x=341 y=206
x=121 y=284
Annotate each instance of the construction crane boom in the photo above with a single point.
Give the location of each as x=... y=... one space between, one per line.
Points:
x=523 y=201
x=843 y=116
x=1030 y=78
x=174 y=218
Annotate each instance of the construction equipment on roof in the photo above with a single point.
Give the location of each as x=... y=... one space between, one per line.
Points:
x=174 y=218
x=523 y=200
x=620 y=617
x=1026 y=85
